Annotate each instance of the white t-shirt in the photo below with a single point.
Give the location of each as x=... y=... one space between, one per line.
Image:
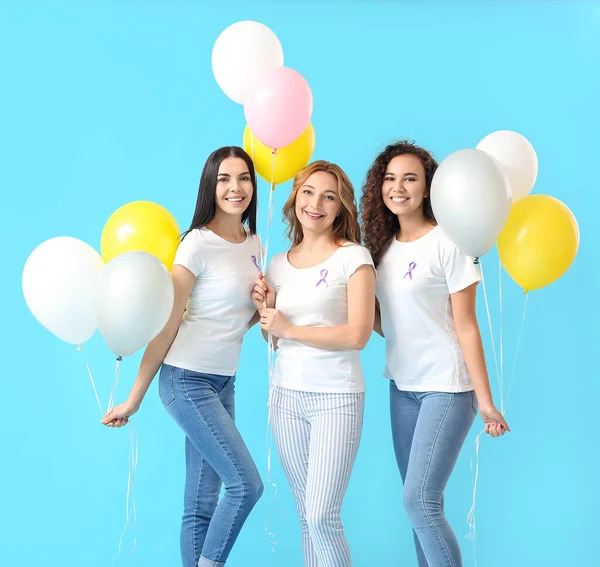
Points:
x=219 y=307
x=317 y=297
x=414 y=283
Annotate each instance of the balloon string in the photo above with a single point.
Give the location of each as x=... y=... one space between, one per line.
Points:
x=111 y=400
x=516 y=351
x=134 y=454
x=501 y=337
x=270 y=213
x=487 y=308
x=471 y=517
x=130 y=510
x=271 y=364
x=80 y=348
x=255 y=176
x=269 y=441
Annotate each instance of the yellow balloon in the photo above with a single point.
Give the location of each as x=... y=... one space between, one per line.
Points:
x=539 y=242
x=288 y=160
x=141 y=225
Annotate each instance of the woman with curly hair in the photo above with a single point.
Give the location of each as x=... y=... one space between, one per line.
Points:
x=320 y=307
x=426 y=292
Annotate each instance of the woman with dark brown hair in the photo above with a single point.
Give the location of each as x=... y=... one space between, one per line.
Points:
x=426 y=292
x=320 y=306
x=197 y=355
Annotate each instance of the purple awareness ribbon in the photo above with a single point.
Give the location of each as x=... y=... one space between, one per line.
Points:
x=256 y=263
x=411 y=267
x=323 y=276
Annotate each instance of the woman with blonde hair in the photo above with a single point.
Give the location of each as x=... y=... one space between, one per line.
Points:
x=318 y=303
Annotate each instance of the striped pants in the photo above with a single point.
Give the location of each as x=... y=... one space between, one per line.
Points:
x=317 y=437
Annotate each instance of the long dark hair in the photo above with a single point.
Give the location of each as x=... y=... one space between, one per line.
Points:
x=206 y=205
x=379 y=224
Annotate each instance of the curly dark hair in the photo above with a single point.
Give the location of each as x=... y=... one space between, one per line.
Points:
x=379 y=224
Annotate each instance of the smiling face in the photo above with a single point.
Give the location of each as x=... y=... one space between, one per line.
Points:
x=322 y=202
x=404 y=186
x=318 y=202
x=234 y=187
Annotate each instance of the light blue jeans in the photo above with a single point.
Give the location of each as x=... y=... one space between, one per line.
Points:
x=203 y=407
x=429 y=429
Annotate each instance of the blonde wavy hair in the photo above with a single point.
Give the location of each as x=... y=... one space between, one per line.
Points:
x=345 y=227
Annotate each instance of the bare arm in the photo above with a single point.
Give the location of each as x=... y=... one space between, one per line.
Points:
x=361 y=312
x=469 y=338
x=183 y=282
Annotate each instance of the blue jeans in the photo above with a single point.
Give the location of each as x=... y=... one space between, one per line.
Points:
x=429 y=429
x=203 y=407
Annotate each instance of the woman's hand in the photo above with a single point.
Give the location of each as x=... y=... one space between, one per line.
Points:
x=262 y=292
x=495 y=424
x=119 y=415
x=273 y=321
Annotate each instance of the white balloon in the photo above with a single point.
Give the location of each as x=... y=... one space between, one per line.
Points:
x=241 y=53
x=516 y=156
x=59 y=285
x=135 y=300
x=471 y=200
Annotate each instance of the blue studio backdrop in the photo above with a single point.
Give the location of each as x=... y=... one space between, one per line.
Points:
x=107 y=102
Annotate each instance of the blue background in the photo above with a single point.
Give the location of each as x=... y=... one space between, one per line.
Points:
x=103 y=103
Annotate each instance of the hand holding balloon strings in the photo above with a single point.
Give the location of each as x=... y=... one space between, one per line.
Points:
x=537 y=244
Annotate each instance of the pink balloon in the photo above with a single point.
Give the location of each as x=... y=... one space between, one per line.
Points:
x=279 y=106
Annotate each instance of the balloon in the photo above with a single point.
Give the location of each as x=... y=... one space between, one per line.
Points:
x=278 y=107
x=288 y=161
x=516 y=156
x=59 y=284
x=141 y=225
x=241 y=53
x=539 y=242
x=135 y=300
x=471 y=200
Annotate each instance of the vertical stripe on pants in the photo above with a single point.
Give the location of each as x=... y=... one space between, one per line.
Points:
x=317 y=436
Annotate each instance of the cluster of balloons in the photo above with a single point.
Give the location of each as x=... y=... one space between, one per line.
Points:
x=247 y=63
x=482 y=196
x=126 y=292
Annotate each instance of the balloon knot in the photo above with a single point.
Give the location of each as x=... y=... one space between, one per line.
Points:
x=119 y=358
x=476 y=260
x=526 y=291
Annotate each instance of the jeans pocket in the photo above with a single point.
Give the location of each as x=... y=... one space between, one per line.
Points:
x=166 y=390
x=475 y=403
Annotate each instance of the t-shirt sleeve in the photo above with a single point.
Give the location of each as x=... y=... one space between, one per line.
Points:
x=189 y=253
x=459 y=269
x=355 y=257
